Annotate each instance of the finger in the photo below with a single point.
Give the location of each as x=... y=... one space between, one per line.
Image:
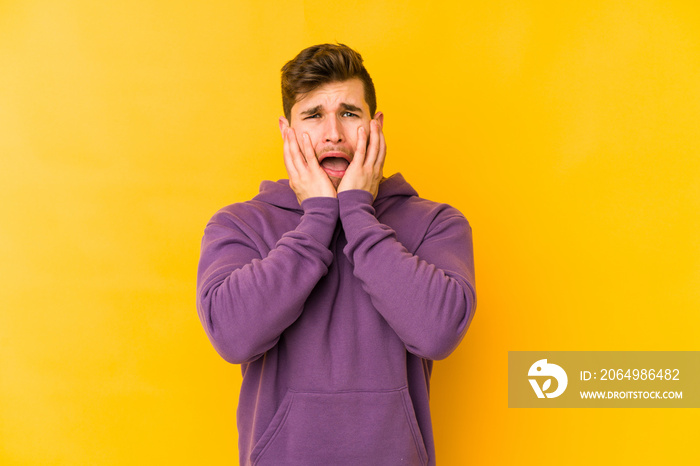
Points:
x=308 y=149
x=373 y=148
x=361 y=150
x=288 y=161
x=297 y=156
x=381 y=156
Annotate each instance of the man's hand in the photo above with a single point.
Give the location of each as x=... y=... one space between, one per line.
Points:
x=365 y=170
x=306 y=177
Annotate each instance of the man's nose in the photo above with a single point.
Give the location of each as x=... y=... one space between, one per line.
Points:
x=334 y=131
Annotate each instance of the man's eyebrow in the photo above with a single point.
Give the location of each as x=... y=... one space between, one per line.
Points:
x=344 y=106
x=351 y=108
x=312 y=110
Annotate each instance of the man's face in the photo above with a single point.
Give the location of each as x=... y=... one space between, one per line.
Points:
x=331 y=115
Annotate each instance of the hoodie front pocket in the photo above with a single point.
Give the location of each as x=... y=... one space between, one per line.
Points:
x=342 y=428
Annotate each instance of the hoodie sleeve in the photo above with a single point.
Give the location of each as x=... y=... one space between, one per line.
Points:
x=428 y=298
x=246 y=298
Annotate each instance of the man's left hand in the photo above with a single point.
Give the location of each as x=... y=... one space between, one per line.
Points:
x=366 y=169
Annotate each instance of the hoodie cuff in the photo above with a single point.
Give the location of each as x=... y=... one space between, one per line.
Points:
x=356 y=212
x=319 y=219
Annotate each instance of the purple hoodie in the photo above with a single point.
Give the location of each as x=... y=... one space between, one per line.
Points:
x=335 y=310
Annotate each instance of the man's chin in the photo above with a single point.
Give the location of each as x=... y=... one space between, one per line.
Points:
x=335 y=180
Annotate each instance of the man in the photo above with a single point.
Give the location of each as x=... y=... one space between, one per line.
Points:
x=336 y=289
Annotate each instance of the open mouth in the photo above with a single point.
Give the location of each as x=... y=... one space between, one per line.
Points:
x=334 y=163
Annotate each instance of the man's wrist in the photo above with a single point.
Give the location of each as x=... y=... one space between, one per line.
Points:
x=320 y=218
x=353 y=195
x=322 y=204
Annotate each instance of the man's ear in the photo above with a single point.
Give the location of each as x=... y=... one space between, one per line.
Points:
x=284 y=124
x=379 y=116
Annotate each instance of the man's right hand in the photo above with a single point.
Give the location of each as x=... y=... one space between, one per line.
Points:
x=306 y=177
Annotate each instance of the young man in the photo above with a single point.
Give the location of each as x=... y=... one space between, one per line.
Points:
x=336 y=289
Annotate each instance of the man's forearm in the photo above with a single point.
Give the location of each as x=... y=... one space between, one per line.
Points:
x=427 y=297
x=246 y=301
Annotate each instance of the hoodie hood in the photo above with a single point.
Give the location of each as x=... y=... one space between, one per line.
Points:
x=278 y=193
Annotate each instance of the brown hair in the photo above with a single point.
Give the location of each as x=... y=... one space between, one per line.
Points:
x=322 y=64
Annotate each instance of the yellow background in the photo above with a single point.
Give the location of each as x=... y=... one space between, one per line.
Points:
x=567 y=133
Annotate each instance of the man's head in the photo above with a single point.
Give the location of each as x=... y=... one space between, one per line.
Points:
x=328 y=94
x=323 y=64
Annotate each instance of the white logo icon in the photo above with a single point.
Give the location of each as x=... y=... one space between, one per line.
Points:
x=541 y=368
